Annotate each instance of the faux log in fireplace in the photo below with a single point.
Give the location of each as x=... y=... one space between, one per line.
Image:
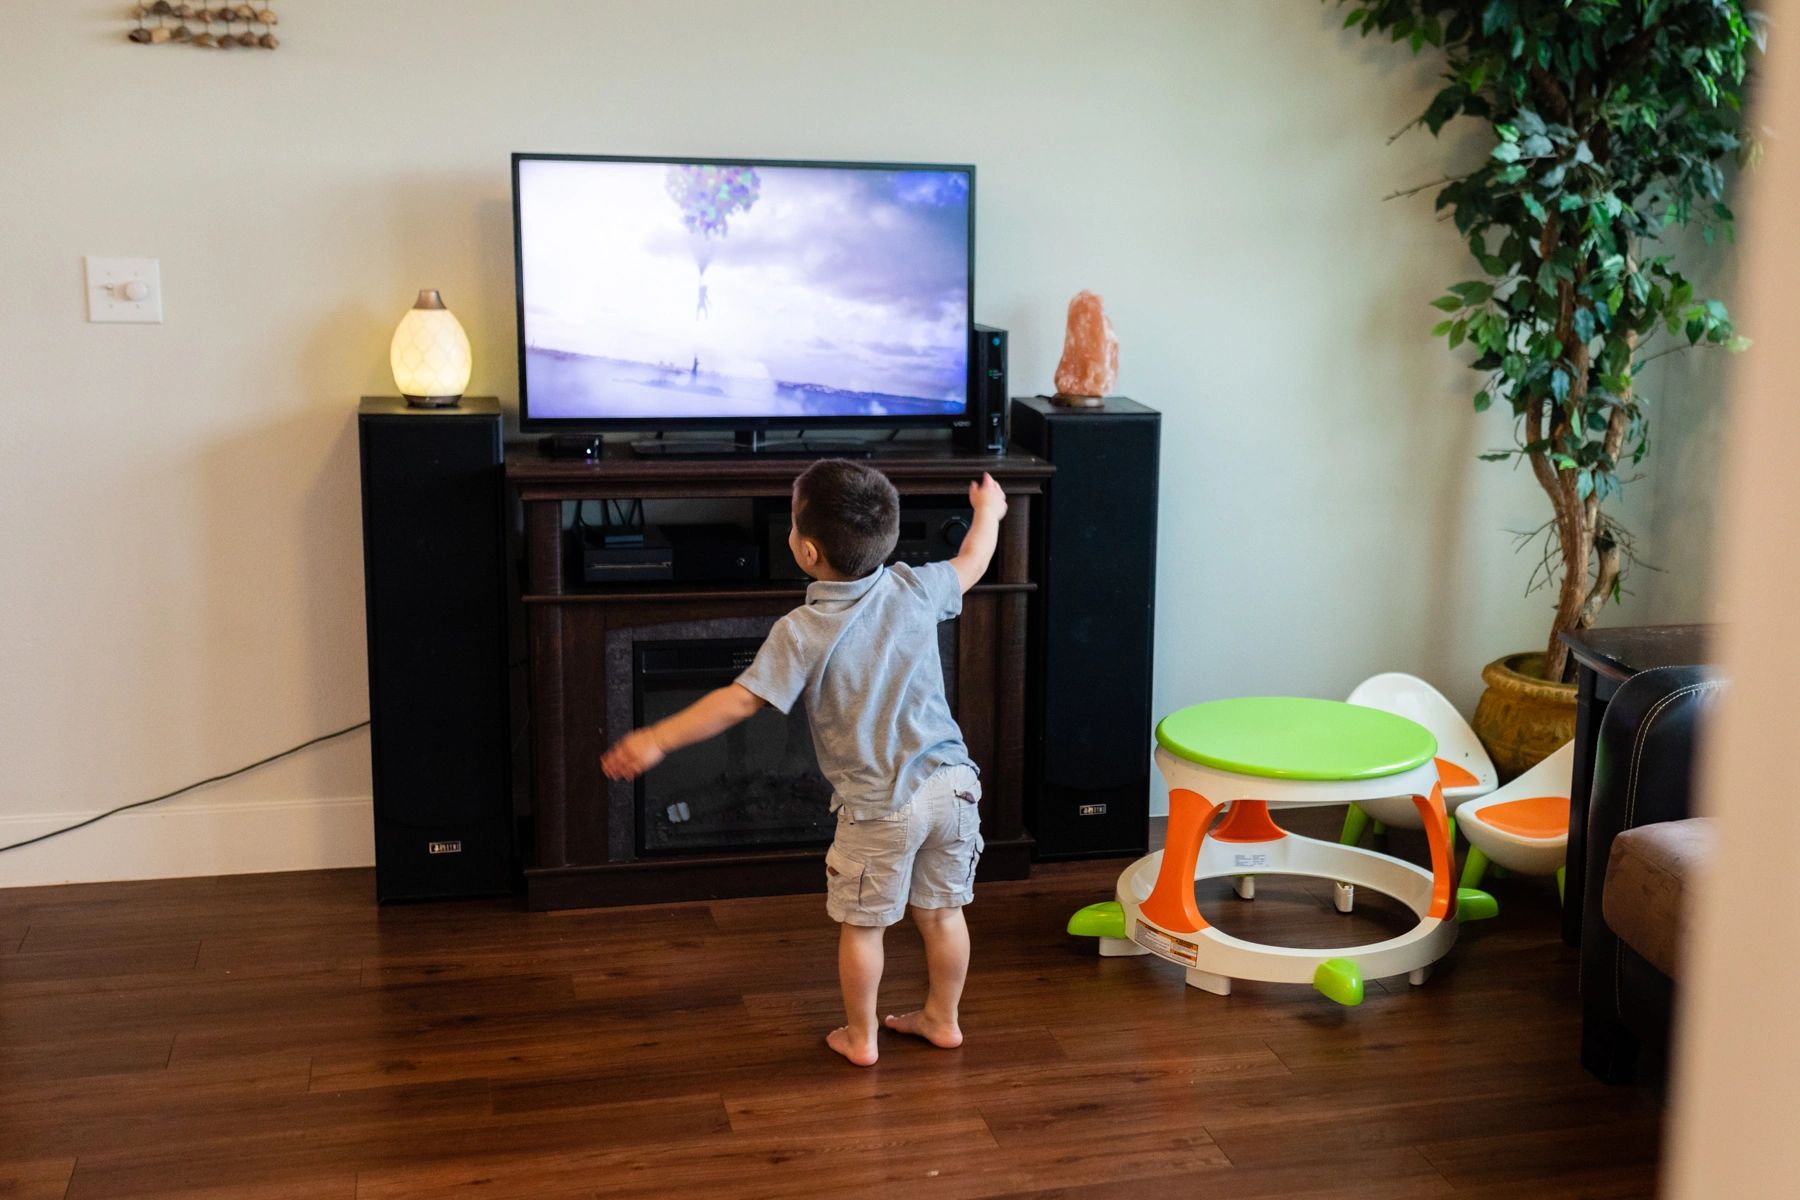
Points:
x=747 y=815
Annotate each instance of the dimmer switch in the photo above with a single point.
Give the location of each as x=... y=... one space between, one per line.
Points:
x=124 y=289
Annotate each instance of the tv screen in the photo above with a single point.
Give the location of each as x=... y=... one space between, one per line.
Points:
x=660 y=293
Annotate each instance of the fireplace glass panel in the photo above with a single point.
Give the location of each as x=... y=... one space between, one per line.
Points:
x=756 y=785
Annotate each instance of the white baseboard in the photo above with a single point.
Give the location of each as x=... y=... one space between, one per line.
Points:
x=191 y=839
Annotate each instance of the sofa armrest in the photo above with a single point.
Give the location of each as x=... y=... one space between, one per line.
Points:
x=1643 y=774
x=1643 y=763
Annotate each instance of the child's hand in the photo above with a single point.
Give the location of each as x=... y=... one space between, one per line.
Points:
x=631 y=755
x=986 y=498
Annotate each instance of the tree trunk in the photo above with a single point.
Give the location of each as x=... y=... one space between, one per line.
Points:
x=1575 y=543
x=1576 y=520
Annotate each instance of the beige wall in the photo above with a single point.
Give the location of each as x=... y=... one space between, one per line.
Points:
x=1738 y=1052
x=181 y=574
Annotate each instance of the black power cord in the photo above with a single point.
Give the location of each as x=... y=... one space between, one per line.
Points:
x=261 y=762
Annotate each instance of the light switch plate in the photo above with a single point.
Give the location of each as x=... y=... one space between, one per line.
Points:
x=107 y=279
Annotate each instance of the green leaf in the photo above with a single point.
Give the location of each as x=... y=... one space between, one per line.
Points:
x=1441 y=328
x=1559 y=384
x=1496 y=16
x=1482 y=401
x=1448 y=304
x=1499 y=456
x=1507 y=152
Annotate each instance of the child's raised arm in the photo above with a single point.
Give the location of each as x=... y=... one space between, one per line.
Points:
x=709 y=716
x=989 y=502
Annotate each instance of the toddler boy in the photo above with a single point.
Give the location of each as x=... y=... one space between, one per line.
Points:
x=862 y=652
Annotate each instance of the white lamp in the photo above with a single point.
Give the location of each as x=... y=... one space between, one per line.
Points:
x=430 y=354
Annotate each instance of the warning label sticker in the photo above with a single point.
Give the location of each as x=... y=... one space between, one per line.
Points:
x=1165 y=944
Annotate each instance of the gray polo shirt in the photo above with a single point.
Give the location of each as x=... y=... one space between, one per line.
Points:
x=863 y=654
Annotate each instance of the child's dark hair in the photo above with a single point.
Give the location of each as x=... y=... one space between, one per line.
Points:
x=850 y=511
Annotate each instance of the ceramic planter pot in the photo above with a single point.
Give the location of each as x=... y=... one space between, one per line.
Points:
x=1521 y=719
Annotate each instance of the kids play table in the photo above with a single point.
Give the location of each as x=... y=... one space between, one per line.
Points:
x=1241 y=758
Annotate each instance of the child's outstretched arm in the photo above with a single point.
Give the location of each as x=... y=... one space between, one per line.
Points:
x=709 y=716
x=989 y=502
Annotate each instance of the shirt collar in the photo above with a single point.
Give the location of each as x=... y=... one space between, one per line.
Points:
x=842 y=590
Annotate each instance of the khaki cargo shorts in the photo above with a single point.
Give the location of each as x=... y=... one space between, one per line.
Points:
x=924 y=855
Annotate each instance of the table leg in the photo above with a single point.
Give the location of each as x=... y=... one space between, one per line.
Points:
x=1247 y=821
x=1589 y=708
x=1171 y=903
x=1437 y=835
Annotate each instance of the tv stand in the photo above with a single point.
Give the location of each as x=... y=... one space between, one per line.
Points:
x=586 y=850
x=751 y=441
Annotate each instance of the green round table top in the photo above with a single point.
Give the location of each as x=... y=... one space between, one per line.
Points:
x=1292 y=737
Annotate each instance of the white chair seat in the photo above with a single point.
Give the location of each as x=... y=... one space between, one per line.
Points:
x=1463 y=762
x=1524 y=826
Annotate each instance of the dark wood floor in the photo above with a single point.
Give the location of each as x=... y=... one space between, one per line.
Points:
x=280 y=1036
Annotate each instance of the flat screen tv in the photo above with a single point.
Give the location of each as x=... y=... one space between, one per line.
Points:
x=661 y=293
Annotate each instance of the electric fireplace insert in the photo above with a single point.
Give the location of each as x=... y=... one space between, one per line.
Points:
x=757 y=785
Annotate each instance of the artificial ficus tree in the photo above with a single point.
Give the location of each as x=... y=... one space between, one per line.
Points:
x=1610 y=120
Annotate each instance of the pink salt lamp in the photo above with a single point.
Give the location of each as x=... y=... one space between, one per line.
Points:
x=1090 y=357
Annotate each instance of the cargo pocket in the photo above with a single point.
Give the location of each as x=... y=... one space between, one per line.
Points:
x=975 y=861
x=968 y=814
x=843 y=880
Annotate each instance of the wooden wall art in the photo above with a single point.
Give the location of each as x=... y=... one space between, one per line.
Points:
x=225 y=27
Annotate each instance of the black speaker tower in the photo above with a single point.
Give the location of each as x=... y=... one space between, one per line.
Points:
x=1088 y=719
x=436 y=589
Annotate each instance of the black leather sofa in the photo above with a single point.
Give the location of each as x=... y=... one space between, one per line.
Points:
x=1643 y=847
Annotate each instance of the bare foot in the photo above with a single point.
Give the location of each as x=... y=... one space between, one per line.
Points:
x=863 y=1055
x=944 y=1034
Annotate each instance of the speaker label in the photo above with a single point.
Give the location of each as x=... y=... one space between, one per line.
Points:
x=444 y=847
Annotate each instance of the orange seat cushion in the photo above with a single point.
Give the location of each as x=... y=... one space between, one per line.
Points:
x=1537 y=817
x=1453 y=776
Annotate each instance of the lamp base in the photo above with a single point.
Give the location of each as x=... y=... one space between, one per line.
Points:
x=432 y=401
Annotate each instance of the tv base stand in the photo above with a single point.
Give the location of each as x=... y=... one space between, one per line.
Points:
x=752 y=441
x=589 y=832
